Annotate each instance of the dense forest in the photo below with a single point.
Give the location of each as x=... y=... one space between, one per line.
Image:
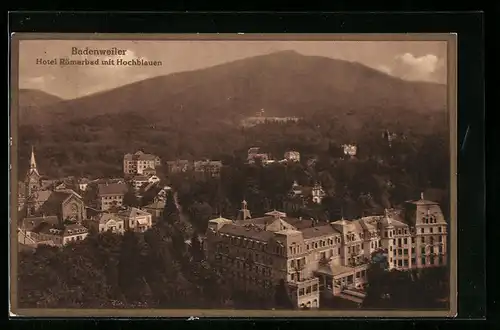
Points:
x=156 y=269
x=381 y=175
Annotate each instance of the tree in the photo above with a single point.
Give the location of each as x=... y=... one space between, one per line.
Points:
x=170 y=211
x=282 y=298
x=130 y=198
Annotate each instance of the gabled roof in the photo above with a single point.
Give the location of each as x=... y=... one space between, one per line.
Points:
x=133 y=212
x=30 y=223
x=112 y=189
x=42 y=195
x=106 y=217
x=159 y=204
x=300 y=223
x=319 y=231
x=55 y=201
x=220 y=220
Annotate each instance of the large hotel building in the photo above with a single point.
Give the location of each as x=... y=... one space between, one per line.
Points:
x=332 y=259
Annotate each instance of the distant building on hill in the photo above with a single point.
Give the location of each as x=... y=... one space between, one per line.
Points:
x=292 y=156
x=138 y=162
x=207 y=168
x=350 y=150
x=178 y=166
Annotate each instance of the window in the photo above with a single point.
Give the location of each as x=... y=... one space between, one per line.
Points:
x=338 y=252
x=390 y=248
x=405 y=241
x=421 y=230
x=413 y=239
x=422 y=239
x=405 y=263
x=399 y=241
x=431 y=230
x=423 y=261
x=440 y=229
x=440 y=239
x=301 y=292
x=423 y=250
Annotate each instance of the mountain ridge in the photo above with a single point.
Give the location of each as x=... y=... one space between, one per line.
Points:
x=284 y=83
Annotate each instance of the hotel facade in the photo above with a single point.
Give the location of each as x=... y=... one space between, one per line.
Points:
x=327 y=259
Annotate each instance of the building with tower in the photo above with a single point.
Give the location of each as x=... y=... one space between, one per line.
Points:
x=47 y=212
x=328 y=259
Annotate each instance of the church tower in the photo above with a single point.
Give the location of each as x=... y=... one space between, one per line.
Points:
x=32 y=181
x=244 y=213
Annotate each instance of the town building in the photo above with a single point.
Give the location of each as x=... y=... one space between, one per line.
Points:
x=139 y=181
x=109 y=222
x=292 y=156
x=138 y=162
x=155 y=209
x=300 y=196
x=49 y=215
x=178 y=166
x=66 y=204
x=255 y=155
x=135 y=219
x=83 y=184
x=49 y=230
x=149 y=172
x=323 y=260
x=350 y=150
x=111 y=194
x=207 y=168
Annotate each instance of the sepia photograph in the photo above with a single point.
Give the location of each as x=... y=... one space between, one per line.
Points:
x=233 y=175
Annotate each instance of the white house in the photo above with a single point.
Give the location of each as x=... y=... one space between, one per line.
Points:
x=111 y=222
x=135 y=219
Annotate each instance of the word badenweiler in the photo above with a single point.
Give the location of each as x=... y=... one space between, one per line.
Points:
x=86 y=62
x=89 y=51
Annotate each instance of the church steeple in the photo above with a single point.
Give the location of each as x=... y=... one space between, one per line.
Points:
x=32 y=182
x=33 y=169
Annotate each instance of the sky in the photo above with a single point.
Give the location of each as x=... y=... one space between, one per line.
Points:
x=409 y=60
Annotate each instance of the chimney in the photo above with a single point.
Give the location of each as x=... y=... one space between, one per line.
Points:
x=300 y=218
x=422 y=196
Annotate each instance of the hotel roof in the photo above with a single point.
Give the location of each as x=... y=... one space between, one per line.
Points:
x=139 y=155
x=247 y=232
x=319 y=231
